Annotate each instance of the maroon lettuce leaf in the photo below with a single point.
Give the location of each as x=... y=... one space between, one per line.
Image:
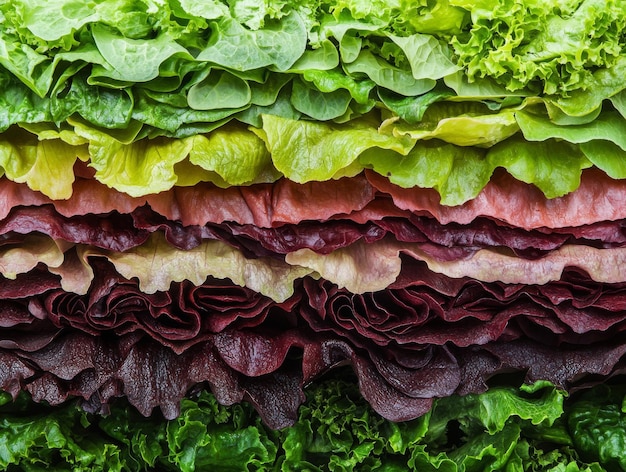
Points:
x=121 y=232
x=102 y=368
x=179 y=318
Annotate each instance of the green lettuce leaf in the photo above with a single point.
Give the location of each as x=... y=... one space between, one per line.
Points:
x=460 y=173
x=457 y=173
x=279 y=43
x=237 y=155
x=463 y=124
x=46 y=165
x=598 y=423
x=525 y=428
x=608 y=126
x=141 y=167
x=305 y=150
x=523 y=44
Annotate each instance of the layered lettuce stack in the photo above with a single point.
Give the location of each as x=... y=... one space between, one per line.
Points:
x=264 y=199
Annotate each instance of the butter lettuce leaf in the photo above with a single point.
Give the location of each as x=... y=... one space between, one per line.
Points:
x=237 y=155
x=306 y=150
x=46 y=165
x=280 y=43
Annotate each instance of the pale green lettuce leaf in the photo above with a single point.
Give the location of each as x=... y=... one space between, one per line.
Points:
x=609 y=126
x=360 y=268
x=237 y=155
x=306 y=150
x=46 y=166
x=33 y=250
x=429 y=59
x=602 y=265
x=363 y=267
x=208 y=9
x=142 y=167
x=54 y=19
x=471 y=129
x=157 y=264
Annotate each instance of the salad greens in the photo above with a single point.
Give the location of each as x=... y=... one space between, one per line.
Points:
x=430 y=96
x=533 y=427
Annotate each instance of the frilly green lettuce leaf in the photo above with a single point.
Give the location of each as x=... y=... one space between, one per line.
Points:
x=523 y=44
x=606 y=84
x=33 y=444
x=531 y=428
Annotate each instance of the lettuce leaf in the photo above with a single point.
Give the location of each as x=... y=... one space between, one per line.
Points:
x=305 y=150
x=525 y=45
x=156 y=264
x=335 y=431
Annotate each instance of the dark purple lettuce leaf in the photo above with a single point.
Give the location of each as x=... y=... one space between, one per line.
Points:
x=113 y=231
x=179 y=318
x=102 y=368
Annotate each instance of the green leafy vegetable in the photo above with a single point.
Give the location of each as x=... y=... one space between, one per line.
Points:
x=506 y=428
